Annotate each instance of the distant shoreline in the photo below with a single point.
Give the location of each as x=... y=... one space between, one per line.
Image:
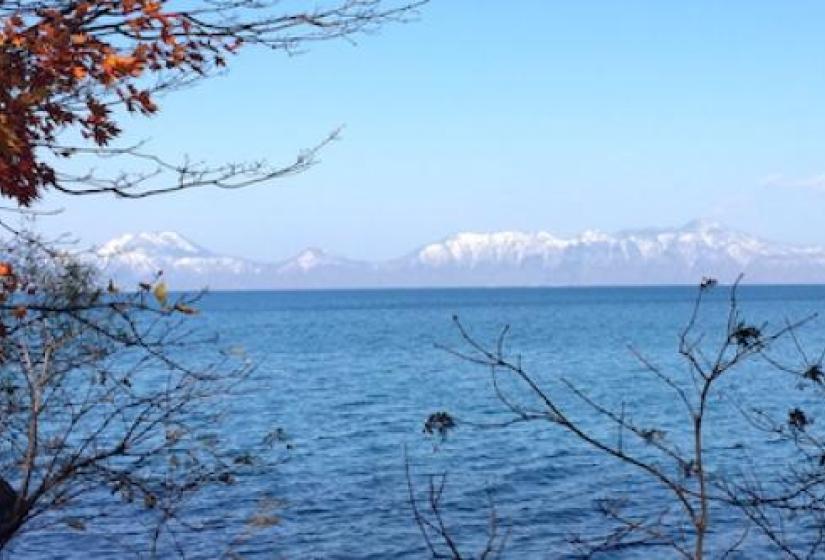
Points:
x=744 y=285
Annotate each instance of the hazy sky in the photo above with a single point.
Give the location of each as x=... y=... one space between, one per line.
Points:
x=507 y=114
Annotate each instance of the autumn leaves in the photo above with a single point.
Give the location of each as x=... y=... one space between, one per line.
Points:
x=68 y=66
x=161 y=293
x=17 y=297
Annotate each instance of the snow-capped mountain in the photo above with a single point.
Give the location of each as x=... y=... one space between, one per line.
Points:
x=314 y=268
x=135 y=257
x=132 y=258
x=651 y=256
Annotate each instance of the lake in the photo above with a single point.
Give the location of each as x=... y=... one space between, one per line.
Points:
x=351 y=376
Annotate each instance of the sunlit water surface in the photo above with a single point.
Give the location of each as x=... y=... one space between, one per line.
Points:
x=350 y=377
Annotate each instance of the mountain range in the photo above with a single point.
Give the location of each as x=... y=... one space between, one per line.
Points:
x=509 y=258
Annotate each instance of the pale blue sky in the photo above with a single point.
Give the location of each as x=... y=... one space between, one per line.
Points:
x=508 y=114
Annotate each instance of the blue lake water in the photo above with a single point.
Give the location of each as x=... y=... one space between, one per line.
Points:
x=350 y=377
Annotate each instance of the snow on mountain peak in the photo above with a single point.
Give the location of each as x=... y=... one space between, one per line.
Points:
x=313 y=259
x=692 y=243
x=136 y=257
x=163 y=242
x=475 y=248
x=505 y=258
x=310 y=258
x=594 y=236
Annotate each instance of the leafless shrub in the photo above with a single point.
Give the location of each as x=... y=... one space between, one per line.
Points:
x=99 y=399
x=435 y=530
x=782 y=506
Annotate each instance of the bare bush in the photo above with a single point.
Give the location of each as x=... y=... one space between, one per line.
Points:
x=777 y=506
x=108 y=396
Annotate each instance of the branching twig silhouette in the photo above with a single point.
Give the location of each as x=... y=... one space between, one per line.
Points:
x=764 y=505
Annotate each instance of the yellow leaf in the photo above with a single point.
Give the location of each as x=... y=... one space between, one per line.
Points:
x=161 y=292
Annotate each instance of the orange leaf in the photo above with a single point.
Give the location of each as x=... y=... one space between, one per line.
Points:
x=151 y=8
